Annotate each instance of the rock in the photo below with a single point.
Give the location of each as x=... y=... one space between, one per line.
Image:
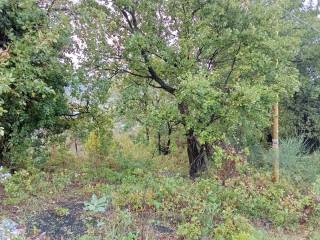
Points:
x=3 y=175
x=9 y=229
x=162 y=228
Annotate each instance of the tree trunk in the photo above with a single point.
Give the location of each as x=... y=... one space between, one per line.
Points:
x=197 y=155
x=76 y=145
x=4 y=148
x=148 y=135
x=275 y=143
x=159 y=143
x=165 y=148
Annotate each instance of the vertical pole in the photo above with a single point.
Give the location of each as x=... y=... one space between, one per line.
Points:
x=275 y=143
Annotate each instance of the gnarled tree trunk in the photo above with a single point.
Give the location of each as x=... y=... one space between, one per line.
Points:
x=164 y=149
x=197 y=153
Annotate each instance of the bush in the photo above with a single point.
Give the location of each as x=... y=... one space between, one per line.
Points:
x=28 y=153
x=189 y=231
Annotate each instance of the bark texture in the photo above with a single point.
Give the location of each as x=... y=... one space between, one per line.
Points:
x=197 y=155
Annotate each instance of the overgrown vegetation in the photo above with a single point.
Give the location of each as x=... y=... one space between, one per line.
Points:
x=140 y=192
x=151 y=119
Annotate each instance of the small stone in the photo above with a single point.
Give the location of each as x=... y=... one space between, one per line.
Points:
x=9 y=229
x=162 y=229
x=3 y=175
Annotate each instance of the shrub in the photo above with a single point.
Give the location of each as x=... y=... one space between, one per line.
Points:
x=190 y=231
x=295 y=161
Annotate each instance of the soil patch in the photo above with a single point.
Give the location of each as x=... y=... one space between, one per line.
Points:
x=55 y=226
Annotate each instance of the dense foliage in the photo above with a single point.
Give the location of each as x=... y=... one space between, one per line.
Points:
x=223 y=63
x=32 y=74
x=301 y=113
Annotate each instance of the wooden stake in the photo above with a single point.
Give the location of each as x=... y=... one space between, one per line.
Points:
x=275 y=143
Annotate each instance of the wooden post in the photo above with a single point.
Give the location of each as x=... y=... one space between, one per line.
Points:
x=275 y=143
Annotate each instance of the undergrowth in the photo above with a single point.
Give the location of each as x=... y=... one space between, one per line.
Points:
x=136 y=189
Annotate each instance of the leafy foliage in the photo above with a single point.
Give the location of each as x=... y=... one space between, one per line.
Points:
x=33 y=77
x=300 y=114
x=223 y=72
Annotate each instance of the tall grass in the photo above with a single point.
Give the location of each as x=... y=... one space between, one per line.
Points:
x=295 y=160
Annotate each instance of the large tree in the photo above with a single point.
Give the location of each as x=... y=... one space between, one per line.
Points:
x=32 y=75
x=223 y=62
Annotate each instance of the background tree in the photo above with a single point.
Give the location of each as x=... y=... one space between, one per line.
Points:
x=300 y=114
x=150 y=109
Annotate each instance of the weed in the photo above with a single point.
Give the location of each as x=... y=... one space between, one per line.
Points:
x=62 y=212
x=97 y=204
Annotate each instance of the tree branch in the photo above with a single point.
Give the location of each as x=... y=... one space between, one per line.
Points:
x=233 y=64
x=125 y=14
x=155 y=76
x=133 y=24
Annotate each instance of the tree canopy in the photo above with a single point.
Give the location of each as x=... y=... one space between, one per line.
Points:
x=223 y=63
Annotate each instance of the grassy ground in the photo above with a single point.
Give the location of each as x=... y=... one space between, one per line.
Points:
x=134 y=194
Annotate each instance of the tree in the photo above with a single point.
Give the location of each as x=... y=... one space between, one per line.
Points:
x=216 y=59
x=33 y=76
x=149 y=109
x=300 y=114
